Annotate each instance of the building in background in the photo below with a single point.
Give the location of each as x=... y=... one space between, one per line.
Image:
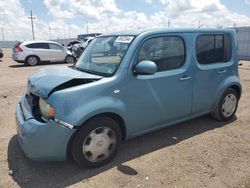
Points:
x=243 y=37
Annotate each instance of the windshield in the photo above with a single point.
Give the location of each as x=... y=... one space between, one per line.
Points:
x=104 y=54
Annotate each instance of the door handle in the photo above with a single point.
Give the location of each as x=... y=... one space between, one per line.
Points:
x=185 y=78
x=222 y=71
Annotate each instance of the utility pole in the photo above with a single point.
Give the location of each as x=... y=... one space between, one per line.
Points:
x=31 y=19
x=64 y=31
x=234 y=25
x=69 y=30
x=49 y=32
x=87 y=28
x=55 y=30
x=2 y=33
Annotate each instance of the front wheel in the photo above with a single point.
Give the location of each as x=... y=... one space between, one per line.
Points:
x=227 y=105
x=69 y=59
x=97 y=142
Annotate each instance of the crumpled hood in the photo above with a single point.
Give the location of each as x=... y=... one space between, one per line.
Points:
x=48 y=80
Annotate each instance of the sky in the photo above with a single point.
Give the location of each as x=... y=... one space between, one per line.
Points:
x=56 y=19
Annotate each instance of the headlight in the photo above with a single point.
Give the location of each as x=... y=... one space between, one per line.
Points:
x=47 y=111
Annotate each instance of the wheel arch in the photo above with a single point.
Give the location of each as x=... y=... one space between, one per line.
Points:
x=120 y=121
x=232 y=82
x=30 y=55
x=237 y=88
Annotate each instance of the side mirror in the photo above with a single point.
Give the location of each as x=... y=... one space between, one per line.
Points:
x=145 y=68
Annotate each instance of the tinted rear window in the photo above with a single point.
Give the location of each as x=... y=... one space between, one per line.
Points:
x=216 y=48
x=55 y=47
x=38 y=46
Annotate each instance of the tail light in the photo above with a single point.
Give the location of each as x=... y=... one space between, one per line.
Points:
x=19 y=49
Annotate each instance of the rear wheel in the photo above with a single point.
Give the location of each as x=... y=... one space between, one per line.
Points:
x=97 y=142
x=32 y=60
x=227 y=105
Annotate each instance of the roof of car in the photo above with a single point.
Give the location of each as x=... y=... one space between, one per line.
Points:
x=161 y=30
x=40 y=41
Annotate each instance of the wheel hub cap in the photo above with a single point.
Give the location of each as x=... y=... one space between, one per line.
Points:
x=99 y=144
x=229 y=105
x=32 y=60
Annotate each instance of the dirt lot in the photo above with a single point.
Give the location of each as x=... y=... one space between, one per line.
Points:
x=197 y=153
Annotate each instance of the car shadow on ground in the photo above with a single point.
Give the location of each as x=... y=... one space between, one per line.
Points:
x=18 y=66
x=28 y=173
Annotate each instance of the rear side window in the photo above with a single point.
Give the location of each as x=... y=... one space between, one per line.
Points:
x=55 y=46
x=38 y=46
x=166 y=52
x=213 y=48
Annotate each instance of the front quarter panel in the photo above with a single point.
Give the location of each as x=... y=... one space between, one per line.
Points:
x=77 y=104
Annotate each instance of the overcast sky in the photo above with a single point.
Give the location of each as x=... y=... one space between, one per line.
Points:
x=69 y=18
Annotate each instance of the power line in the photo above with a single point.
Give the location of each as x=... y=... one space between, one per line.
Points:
x=31 y=19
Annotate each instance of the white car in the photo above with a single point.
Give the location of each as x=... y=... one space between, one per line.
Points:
x=34 y=52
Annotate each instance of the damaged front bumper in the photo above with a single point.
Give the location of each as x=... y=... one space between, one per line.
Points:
x=41 y=141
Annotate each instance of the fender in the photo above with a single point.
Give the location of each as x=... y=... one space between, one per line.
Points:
x=100 y=106
x=226 y=83
x=76 y=114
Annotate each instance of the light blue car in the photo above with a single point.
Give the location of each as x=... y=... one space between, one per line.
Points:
x=124 y=85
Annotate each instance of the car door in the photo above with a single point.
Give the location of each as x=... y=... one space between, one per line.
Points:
x=39 y=49
x=165 y=97
x=57 y=53
x=213 y=64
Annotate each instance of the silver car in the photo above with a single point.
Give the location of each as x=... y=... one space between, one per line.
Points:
x=34 y=52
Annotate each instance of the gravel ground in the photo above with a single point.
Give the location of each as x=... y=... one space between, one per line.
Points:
x=197 y=153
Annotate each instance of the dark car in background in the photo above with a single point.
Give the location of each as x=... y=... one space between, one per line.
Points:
x=1 y=53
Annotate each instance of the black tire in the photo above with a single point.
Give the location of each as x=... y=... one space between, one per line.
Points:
x=69 y=59
x=219 y=112
x=96 y=127
x=32 y=60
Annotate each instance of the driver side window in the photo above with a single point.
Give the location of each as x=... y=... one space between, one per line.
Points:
x=167 y=53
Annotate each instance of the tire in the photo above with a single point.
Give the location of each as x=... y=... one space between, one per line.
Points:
x=70 y=59
x=97 y=142
x=227 y=106
x=32 y=60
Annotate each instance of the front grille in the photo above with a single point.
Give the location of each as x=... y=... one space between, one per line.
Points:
x=33 y=102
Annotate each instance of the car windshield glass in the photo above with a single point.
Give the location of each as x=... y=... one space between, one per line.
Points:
x=104 y=54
